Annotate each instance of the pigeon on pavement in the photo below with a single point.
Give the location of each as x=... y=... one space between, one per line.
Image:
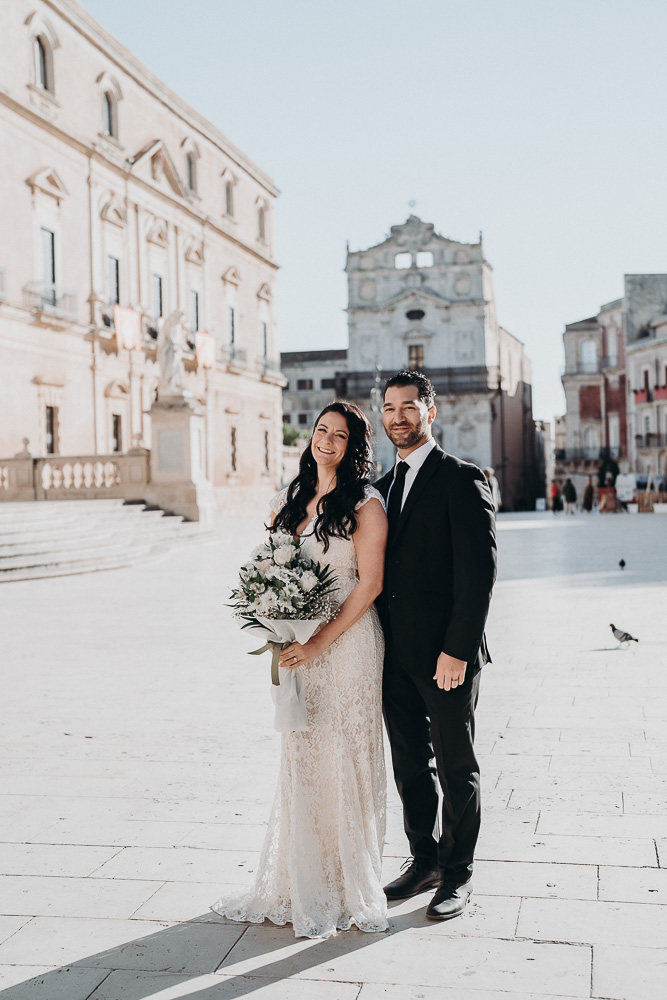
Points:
x=622 y=636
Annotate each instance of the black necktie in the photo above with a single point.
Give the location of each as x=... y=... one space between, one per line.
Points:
x=396 y=495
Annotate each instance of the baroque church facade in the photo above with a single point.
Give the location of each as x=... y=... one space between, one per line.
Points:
x=422 y=301
x=118 y=195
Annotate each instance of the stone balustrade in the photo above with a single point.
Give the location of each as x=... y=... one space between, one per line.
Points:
x=81 y=477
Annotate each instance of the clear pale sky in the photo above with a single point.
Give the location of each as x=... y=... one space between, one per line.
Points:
x=541 y=122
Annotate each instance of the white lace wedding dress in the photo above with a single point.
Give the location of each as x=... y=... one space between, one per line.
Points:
x=320 y=864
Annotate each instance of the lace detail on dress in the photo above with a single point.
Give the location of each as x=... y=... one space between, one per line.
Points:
x=370 y=493
x=277 y=501
x=320 y=866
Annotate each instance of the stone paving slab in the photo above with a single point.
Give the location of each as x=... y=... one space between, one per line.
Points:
x=139 y=985
x=33 y=982
x=136 y=778
x=581 y=921
x=412 y=959
x=148 y=946
x=621 y=973
x=372 y=991
x=35 y=895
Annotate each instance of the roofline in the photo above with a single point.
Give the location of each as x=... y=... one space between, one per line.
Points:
x=615 y=303
x=82 y=21
x=334 y=354
x=592 y=320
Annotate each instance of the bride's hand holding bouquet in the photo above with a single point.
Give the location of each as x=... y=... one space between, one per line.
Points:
x=284 y=597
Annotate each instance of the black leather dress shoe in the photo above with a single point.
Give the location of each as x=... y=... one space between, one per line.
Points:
x=417 y=877
x=449 y=901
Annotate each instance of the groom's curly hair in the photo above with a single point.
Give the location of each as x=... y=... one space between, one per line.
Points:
x=336 y=510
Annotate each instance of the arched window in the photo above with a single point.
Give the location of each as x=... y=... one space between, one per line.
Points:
x=109 y=126
x=229 y=198
x=43 y=64
x=191 y=170
x=261 y=223
x=44 y=41
x=110 y=96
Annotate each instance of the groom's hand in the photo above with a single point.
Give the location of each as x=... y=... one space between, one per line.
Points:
x=450 y=672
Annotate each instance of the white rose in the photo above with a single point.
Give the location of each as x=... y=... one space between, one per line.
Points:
x=262 y=566
x=308 y=581
x=283 y=555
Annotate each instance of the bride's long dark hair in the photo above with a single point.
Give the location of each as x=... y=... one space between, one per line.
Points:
x=336 y=509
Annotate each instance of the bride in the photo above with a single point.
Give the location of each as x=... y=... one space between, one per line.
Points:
x=320 y=864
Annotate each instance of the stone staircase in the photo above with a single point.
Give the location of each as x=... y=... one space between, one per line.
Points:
x=60 y=537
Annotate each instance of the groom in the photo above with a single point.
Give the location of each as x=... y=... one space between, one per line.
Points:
x=439 y=572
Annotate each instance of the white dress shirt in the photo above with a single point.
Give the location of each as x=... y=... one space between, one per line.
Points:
x=415 y=460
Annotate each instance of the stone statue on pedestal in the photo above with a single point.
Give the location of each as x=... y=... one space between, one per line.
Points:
x=170 y=356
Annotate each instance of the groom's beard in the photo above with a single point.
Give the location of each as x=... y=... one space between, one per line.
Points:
x=407 y=437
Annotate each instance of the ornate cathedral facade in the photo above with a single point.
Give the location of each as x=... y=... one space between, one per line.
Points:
x=422 y=301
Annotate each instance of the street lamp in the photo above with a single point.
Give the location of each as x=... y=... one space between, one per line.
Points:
x=376 y=410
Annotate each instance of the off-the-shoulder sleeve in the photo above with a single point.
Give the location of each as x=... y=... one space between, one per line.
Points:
x=277 y=501
x=370 y=493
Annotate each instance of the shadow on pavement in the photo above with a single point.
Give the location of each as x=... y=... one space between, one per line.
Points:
x=178 y=955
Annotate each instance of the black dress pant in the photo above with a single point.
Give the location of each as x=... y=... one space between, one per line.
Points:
x=423 y=722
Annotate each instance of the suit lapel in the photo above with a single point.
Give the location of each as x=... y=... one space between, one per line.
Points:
x=427 y=470
x=383 y=484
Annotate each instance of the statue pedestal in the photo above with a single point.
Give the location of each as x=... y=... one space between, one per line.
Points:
x=178 y=480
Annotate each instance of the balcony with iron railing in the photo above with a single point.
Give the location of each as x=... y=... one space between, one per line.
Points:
x=42 y=297
x=650 y=440
x=233 y=355
x=584 y=455
x=583 y=368
x=447 y=381
x=270 y=366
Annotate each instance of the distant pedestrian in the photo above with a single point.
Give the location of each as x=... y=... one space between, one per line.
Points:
x=494 y=488
x=556 y=502
x=570 y=496
x=589 y=492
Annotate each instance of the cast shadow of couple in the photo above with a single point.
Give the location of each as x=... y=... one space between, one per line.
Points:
x=176 y=957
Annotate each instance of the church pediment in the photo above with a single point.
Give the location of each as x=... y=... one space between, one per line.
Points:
x=412 y=236
x=114 y=212
x=231 y=276
x=156 y=157
x=194 y=252
x=158 y=233
x=411 y=298
x=48 y=181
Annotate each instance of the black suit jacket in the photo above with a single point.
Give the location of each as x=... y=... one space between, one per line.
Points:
x=440 y=565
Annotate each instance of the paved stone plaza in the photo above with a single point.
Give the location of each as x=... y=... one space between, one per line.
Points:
x=138 y=764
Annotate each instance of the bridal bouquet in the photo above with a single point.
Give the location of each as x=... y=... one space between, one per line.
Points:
x=284 y=597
